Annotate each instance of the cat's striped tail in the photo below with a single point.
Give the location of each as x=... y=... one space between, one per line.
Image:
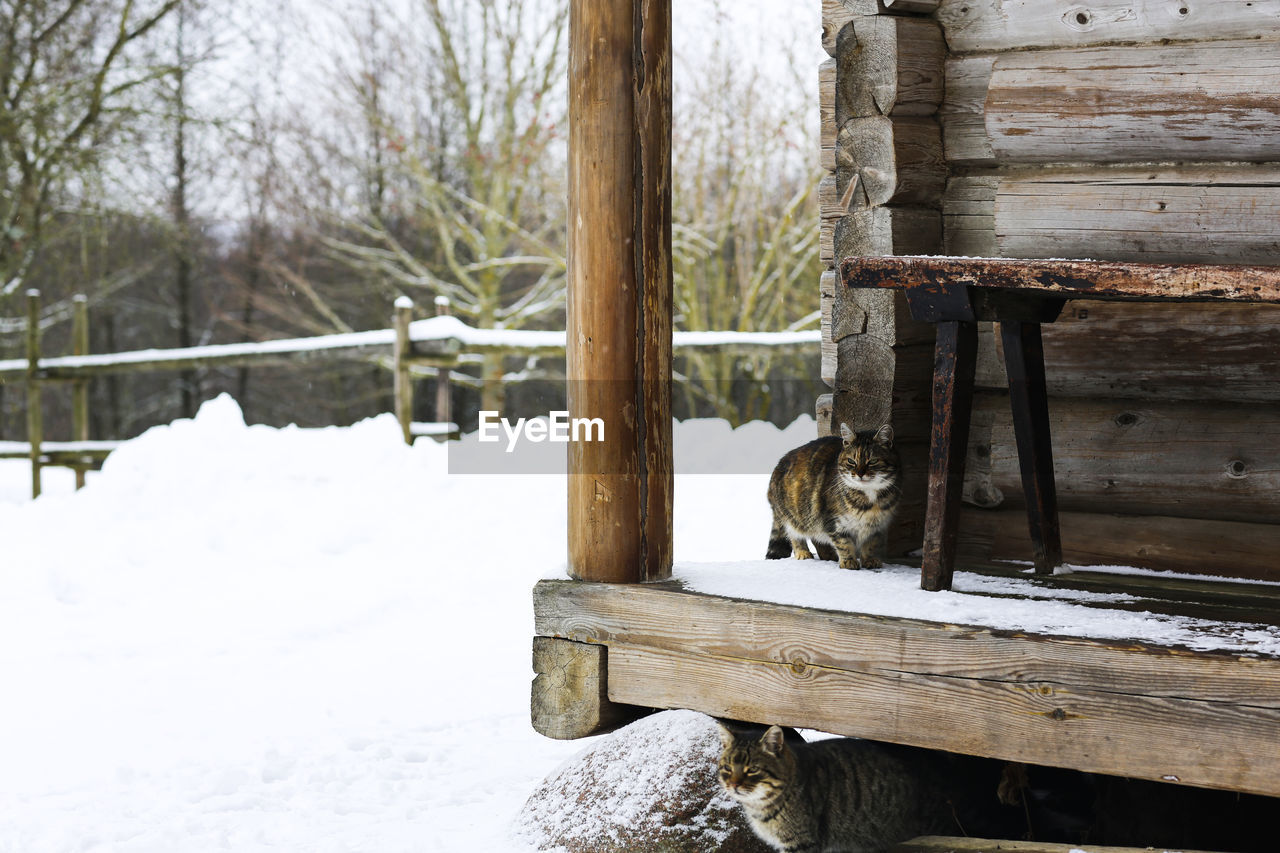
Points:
x=779 y=544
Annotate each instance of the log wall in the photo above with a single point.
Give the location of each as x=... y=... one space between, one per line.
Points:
x=1131 y=131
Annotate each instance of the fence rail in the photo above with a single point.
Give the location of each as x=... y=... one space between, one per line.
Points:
x=442 y=342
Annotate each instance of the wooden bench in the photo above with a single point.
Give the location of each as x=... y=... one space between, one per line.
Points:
x=955 y=294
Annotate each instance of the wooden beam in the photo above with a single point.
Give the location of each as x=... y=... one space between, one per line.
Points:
x=1072 y=279
x=1050 y=23
x=620 y=291
x=1213 y=100
x=1198 y=718
x=569 y=698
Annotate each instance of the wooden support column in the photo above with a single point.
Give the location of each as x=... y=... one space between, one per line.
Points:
x=619 y=304
x=80 y=387
x=35 y=415
x=403 y=380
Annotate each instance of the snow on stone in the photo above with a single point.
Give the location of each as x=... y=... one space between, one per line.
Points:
x=626 y=787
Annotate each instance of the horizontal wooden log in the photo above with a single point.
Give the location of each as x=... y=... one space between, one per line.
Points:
x=1234 y=549
x=837 y=14
x=883 y=161
x=1202 y=101
x=888 y=65
x=969 y=217
x=1184 y=214
x=963 y=110
x=1205 y=351
x=881 y=231
x=1071 y=279
x=568 y=699
x=1140 y=457
x=1118 y=708
x=1049 y=23
x=1179 y=223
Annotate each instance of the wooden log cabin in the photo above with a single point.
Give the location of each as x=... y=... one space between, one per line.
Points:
x=1140 y=131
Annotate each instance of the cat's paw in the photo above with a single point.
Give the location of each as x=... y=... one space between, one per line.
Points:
x=802 y=554
x=848 y=563
x=872 y=563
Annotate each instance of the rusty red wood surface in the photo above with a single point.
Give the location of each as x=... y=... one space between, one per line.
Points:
x=1070 y=278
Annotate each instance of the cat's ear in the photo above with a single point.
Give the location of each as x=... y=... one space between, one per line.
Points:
x=884 y=435
x=846 y=434
x=726 y=736
x=773 y=740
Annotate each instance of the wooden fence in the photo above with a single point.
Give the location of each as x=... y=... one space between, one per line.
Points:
x=442 y=343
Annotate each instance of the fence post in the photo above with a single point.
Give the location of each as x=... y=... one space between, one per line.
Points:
x=403 y=381
x=35 y=416
x=80 y=387
x=442 y=373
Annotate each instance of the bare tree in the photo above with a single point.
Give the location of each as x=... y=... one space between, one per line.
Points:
x=464 y=195
x=745 y=224
x=64 y=84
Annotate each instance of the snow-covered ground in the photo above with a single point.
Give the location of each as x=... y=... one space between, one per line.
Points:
x=246 y=638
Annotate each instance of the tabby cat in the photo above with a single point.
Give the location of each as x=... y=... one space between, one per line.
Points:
x=850 y=795
x=841 y=493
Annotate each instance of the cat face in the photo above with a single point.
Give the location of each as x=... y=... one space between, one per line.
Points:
x=753 y=771
x=867 y=460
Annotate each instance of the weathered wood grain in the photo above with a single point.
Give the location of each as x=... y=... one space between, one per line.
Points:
x=1070 y=278
x=1143 y=457
x=568 y=699
x=1048 y=23
x=1201 y=351
x=962 y=112
x=827 y=126
x=888 y=65
x=1086 y=704
x=619 y=303
x=837 y=14
x=969 y=217
x=882 y=231
x=1171 y=223
x=1202 y=101
x=1191 y=545
x=882 y=160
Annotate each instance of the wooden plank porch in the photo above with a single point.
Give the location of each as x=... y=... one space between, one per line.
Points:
x=1209 y=718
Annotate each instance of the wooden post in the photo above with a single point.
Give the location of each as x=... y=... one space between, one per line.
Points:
x=80 y=387
x=403 y=381
x=35 y=416
x=619 y=312
x=442 y=373
x=955 y=359
x=1029 y=397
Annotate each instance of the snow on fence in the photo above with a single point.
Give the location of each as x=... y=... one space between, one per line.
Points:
x=442 y=342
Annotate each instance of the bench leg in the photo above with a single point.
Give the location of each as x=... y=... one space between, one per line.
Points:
x=1024 y=362
x=955 y=357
